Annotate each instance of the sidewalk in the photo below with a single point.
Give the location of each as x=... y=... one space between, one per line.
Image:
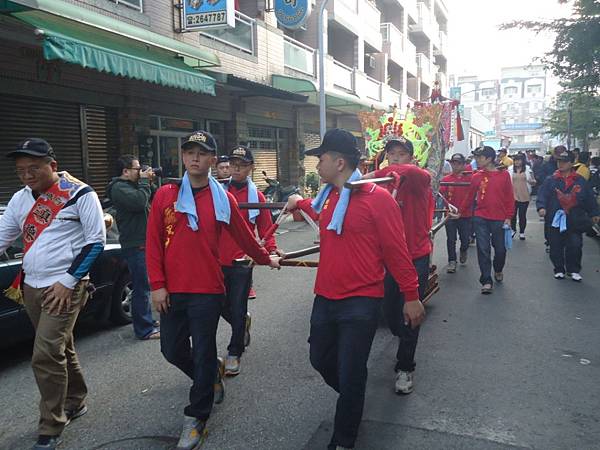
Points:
x=516 y=369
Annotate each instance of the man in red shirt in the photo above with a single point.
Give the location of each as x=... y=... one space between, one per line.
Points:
x=492 y=191
x=185 y=226
x=361 y=233
x=415 y=198
x=462 y=225
x=238 y=280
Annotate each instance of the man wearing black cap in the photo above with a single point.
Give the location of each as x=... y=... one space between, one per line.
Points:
x=239 y=279
x=566 y=201
x=185 y=227
x=222 y=168
x=52 y=212
x=415 y=198
x=361 y=233
x=491 y=190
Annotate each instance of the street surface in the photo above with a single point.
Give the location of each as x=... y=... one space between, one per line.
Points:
x=517 y=369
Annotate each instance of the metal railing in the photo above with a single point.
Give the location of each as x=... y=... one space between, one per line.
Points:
x=241 y=37
x=134 y=4
x=342 y=76
x=372 y=88
x=298 y=56
x=390 y=33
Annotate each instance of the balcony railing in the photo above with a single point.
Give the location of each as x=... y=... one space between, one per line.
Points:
x=390 y=33
x=342 y=76
x=425 y=68
x=298 y=56
x=241 y=37
x=372 y=88
x=370 y=15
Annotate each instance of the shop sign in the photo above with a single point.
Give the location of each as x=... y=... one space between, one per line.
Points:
x=292 y=13
x=198 y=15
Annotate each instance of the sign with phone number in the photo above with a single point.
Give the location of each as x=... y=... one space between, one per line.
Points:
x=198 y=15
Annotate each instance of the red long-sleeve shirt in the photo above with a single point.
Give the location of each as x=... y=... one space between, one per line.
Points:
x=353 y=264
x=456 y=195
x=228 y=247
x=186 y=261
x=415 y=198
x=493 y=192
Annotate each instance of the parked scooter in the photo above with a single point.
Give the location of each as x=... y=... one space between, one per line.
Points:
x=274 y=192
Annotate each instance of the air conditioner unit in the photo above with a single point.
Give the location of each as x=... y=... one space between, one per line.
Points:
x=371 y=62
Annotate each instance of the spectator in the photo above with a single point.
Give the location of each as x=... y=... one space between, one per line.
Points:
x=550 y=166
x=565 y=200
x=130 y=194
x=222 y=167
x=582 y=167
x=522 y=181
x=503 y=158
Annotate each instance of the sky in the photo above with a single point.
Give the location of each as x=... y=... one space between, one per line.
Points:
x=477 y=47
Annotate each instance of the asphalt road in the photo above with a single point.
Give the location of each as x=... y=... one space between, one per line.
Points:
x=519 y=368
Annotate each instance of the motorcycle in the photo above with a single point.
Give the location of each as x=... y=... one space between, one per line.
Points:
x=274 y=192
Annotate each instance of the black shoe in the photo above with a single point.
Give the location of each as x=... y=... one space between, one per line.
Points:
x=463 y=257
x=219 y=385
x=73 y=414
x=46 y=442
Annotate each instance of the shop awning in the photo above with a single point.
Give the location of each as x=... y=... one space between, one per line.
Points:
x=249 y=88
x=341 y=102
x=80 y=44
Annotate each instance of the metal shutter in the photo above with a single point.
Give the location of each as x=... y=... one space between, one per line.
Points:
x=263 y=143
x=311 y=140
x=102 y=133
x=56 y=122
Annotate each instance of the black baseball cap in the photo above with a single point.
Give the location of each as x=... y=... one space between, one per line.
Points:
x=223 y=159
x=202 y=138
x=486 y=151
x=336 y=140
x=458 y=157
x=401 y=141
x=503 y=150
x=35 y=147
x=242 y=152
x=566 y=156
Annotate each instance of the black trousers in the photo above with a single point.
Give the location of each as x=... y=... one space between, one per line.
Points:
x=393 y=305
x=565 y=250
x=238 y=281
x=195 y=316
x=341 y=334
x=521 y=213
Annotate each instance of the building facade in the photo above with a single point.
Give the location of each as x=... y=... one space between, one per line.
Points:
x=100 y=78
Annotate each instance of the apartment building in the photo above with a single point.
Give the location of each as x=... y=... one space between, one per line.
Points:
x=514 y=104
x=99 y=78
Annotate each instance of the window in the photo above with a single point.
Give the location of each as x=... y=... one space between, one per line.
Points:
x=511 y=90
x=488 y=92
x=135 y=4
x=533 y=89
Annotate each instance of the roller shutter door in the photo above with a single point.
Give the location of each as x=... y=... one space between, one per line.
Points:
x=311 y=140
x=263 y=143
x=56 y=122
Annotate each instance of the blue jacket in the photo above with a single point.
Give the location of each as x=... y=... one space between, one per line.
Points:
x=548 y=200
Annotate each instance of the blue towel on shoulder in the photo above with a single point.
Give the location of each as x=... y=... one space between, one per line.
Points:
x=560 y=220
x=252 y=198
x=186 y=203
x=337 y=220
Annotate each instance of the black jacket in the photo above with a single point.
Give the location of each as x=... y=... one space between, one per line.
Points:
x=132 y=204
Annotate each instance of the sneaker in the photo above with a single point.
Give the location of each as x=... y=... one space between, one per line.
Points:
x=522 y=236
x=247 y=330
x=487 y=288
x=192 y=435
x=451 y=267
x=404 y=382
x=46 y=442
x=219 y=386
x=513 y=234
x=499 y=277
x=576 y=277
x=73 y=414
x=251 y=294
x=232 y=365
x=463 y=256
x=472 y=242
x=559 y=276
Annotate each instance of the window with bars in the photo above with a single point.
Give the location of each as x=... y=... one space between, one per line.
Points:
x=134 y=4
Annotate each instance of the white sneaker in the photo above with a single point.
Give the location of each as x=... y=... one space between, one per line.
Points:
x=404 y=382
x=232 y=365
x=522 y=236
x=576 y=277
x=559 y=275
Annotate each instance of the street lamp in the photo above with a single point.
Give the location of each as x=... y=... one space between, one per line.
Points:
x=322 y=97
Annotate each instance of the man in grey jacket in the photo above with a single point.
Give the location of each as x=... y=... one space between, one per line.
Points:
x=61 y=221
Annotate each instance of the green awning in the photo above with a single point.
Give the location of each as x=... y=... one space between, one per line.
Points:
x=197 y=56
x=337 y=101
x=112 y=53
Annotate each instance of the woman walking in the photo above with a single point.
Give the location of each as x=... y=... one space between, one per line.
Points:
x=522 y=181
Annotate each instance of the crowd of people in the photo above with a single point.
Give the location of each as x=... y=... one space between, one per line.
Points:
x=183 y=243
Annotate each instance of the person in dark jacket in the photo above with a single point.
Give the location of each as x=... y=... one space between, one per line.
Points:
x=130 y=194
x=562 y=200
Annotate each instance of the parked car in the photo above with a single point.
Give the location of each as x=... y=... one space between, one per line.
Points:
x=110 y=283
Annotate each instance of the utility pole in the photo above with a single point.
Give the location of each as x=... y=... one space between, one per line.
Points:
x=322 y=97
x=569 y=124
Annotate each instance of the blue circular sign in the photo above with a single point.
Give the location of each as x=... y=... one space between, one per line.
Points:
x=292 y=13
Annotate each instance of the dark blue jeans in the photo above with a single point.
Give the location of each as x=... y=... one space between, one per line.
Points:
x=393 y=308
x=565 y=250
x=141 y=313
x=237 y=286
x=341 y=334
x=462 y=227
x=489 y=233
x=195 y=316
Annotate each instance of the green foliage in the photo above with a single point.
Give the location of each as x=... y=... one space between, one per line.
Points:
x=575 y=55
x=312 y=183
x=585 y=110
